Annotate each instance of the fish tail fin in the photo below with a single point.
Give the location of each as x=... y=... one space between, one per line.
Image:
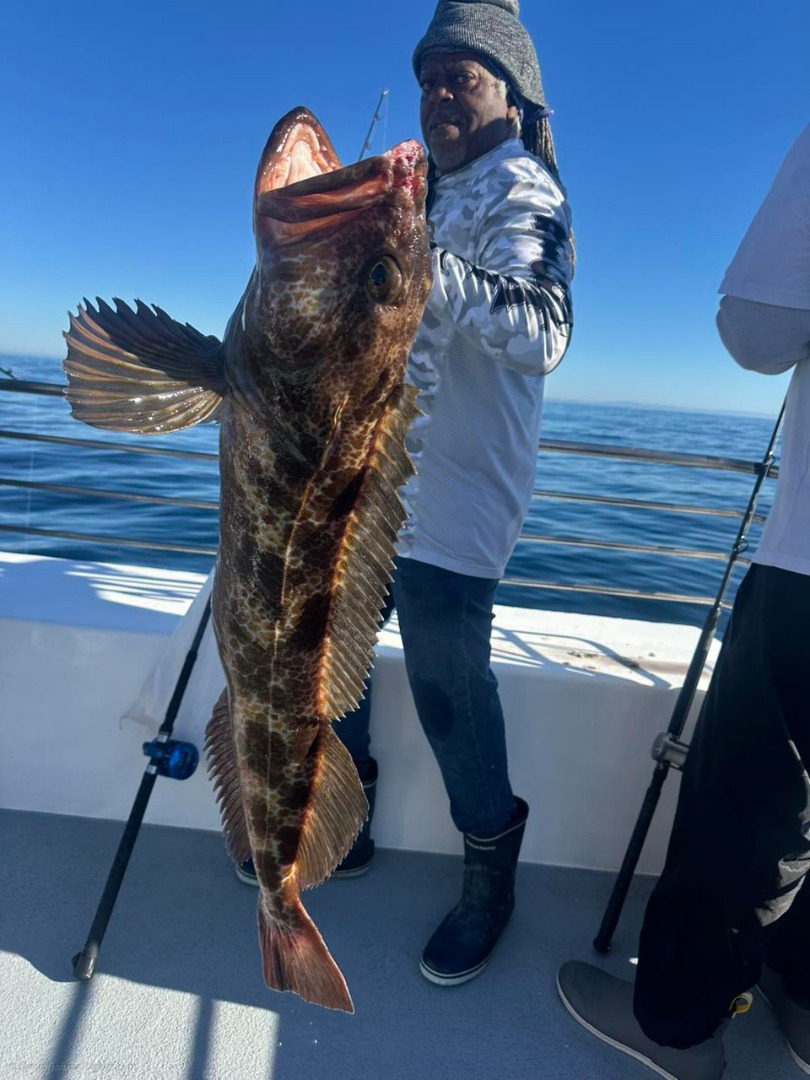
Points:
x=297 y=959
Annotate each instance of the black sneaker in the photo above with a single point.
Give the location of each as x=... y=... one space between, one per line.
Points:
x=359 y=858
x=355 y=864
x=246 y=872
x=603 y=1005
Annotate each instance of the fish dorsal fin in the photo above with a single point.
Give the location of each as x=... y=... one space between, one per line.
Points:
x=140 y=370
x=224 y=773
x=335 y=813
x=364 y=566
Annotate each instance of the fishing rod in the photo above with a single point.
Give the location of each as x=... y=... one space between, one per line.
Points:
x=668 y=750
x=374 y=120
x=167 y=757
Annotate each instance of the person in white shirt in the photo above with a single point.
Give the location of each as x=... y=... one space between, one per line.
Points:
x=729 y=911
x=497 y=322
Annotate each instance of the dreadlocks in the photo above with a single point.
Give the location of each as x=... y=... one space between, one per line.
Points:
x=537 y=139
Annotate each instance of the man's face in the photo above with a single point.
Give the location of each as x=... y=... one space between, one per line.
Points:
x=464 y=112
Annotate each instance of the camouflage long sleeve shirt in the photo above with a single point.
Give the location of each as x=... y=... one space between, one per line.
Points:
x=497 y=321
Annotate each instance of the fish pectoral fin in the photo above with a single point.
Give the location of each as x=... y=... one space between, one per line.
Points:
x=335 y=814
x=140 y=370
x=224 y=773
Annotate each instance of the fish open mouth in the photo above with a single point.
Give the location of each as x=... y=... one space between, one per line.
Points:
x=302 y=190
x=297 y=149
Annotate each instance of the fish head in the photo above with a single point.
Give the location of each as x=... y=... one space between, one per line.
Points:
x=343 y=262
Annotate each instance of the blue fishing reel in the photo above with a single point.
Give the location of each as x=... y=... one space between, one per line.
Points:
x=177 y=760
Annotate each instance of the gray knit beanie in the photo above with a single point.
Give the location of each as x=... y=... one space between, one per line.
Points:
x=491 y=28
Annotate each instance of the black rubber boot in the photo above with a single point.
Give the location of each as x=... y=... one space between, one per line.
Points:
x=461 y=947
x=359 y=858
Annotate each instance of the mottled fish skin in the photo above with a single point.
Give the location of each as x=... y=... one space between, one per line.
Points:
x=319 y=395
x=309 y=387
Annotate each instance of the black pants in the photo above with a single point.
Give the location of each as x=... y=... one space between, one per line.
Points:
x=730 y=897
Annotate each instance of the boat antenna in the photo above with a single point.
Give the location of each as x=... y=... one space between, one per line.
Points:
x=374 y=120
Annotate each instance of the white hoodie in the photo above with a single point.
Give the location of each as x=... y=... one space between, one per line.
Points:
x=498 y=319
x=764 y=322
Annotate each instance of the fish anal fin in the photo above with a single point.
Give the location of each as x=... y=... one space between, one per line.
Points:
x=335 y=812
x=140 y=370
x=224 y=772
x=295 y=958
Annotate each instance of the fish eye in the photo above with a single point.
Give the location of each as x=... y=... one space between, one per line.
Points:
x=383 y=279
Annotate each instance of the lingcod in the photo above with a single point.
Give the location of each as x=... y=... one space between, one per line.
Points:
x=308 y=386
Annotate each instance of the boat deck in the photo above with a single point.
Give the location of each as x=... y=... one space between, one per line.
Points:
x=178 y=994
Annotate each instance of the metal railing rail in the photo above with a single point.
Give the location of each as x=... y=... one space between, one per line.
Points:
x=645 y=504
x=660 y=457
x=609 y=590
x=99 y=444
x=736 y=465
x=615 y=545
x=111 y=541
x=109 y=493
x=27 y=386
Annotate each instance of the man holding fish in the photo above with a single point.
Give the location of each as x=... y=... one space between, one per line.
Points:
x=309 y=386
x=497 y=321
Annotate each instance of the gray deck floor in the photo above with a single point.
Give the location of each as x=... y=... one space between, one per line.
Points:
x=178 y=993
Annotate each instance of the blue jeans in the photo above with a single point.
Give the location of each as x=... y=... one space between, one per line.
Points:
x=445 y=620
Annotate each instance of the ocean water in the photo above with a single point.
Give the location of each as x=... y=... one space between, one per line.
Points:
x=721 y=434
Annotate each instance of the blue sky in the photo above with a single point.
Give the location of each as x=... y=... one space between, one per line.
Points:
x=130 y=139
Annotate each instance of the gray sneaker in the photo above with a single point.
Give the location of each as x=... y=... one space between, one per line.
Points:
x=604 y=1005
x=794 y=1020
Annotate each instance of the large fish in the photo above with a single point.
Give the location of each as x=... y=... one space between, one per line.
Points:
x=308 y=386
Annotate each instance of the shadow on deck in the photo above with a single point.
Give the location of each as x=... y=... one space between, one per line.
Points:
x=178 y=993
